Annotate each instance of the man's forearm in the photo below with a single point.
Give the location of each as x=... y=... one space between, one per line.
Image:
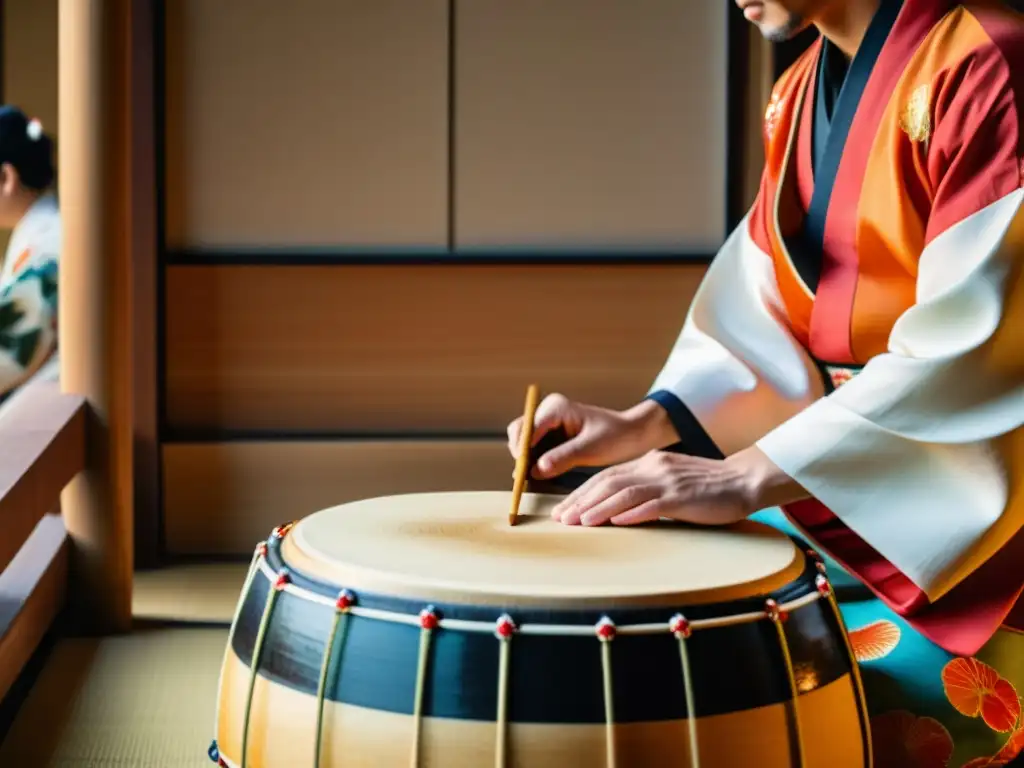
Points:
x=653 y=427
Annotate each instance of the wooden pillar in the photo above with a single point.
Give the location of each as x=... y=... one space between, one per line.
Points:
x=758 y=90
x=95 y=307
x=143 y=115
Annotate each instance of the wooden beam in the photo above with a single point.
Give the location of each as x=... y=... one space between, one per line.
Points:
x=142 y=222
x=95 y=313
x=32 y=590
x=42 y=447
x=759 y=83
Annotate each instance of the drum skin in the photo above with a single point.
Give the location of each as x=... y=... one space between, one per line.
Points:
x=399 y=689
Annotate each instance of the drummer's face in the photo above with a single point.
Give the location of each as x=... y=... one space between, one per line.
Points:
x=778 y=20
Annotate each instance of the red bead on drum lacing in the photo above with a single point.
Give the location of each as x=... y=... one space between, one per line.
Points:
x=605 y=630
x=504 y=628
x=774 y=612
x=282 y=581
x=822 y=585
x=680 y=627
x=261 y=549
x=282 y=530
x=428 y=618
x=819 y=561
x=221 y=763
x=345 y=601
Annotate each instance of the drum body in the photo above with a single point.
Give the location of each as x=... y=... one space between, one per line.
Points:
x=347 y=652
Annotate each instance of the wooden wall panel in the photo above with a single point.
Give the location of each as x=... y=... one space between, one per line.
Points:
x=306 y=123
x=590 y=123
x=29 y=67
x=222 y=498
x=411 y=349
x=30 y=58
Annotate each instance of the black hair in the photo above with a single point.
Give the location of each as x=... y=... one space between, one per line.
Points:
x=26 y=148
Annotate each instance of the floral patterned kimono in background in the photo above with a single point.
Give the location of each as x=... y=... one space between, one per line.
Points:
x=864 y=327
x=28 y=300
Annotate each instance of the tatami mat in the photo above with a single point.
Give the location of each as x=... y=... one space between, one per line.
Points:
x=204 y=593
x=144 y=700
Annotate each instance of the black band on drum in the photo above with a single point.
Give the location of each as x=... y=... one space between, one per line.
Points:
x=741 y=665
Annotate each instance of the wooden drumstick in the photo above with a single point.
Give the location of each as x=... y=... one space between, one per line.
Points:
x=523 y=462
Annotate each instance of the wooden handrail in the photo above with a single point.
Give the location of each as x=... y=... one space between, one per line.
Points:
x=32 y=593
x=42 y=447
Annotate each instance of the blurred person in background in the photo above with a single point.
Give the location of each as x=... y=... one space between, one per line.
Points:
x=28 y=274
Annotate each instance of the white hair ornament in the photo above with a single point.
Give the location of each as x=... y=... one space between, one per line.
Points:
x=34 y=129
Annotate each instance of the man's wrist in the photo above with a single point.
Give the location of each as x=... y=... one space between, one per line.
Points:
x=652 y=425
x=761 y=482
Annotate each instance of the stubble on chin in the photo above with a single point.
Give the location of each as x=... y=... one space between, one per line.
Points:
x=784 y=32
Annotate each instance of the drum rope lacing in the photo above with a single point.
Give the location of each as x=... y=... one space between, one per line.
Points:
x=504 y=629
x=247 y=584
x=257 y=654
x=337 y=635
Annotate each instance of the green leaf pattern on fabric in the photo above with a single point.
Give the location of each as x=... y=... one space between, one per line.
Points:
x=28 y=311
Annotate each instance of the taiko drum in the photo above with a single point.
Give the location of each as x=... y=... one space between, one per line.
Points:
x=423 y=630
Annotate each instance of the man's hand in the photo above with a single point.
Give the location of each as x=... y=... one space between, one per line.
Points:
x=667 y=485
x=597 y=436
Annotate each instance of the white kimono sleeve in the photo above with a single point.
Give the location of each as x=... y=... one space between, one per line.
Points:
x=736 y=371
x=922 y=453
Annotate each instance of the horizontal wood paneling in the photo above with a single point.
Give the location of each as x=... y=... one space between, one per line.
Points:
x=586 y=123
x=415 y=349
x=308 y=122
x=42 y=448
x=32 y=592
x=222 y=498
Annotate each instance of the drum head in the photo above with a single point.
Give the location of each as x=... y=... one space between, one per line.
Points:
x=459 y=548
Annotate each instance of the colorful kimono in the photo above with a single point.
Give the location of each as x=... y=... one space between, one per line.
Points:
x=864 y=327
x=28 y=300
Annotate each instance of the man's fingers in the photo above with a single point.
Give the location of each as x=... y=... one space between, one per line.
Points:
x=647 y=512
x=618 y=504
x=550 y=416
x=559 y=459
x=594 y=491
x=581 y=492
x=515 y=432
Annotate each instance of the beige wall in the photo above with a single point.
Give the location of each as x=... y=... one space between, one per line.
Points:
x=309 y=122
x=579 y=123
